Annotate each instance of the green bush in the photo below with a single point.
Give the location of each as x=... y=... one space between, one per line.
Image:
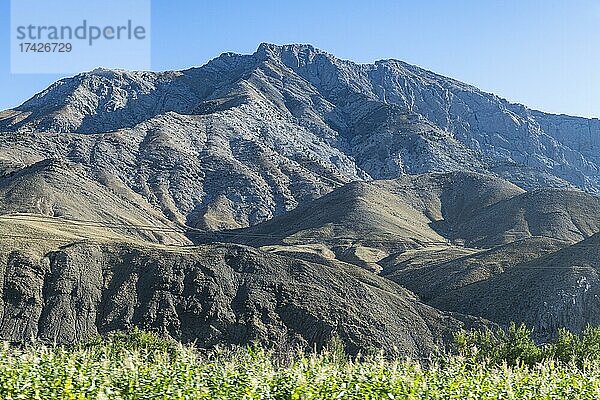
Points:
x=516 y=346
x=512 y=346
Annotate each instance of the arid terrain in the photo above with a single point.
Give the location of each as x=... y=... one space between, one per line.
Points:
x=288 y=197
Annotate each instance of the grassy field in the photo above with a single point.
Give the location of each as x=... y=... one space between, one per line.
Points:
x=142 y=366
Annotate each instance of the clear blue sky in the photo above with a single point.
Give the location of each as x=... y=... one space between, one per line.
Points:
x=543 y=53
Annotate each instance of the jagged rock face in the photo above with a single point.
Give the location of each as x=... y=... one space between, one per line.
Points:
x=247 y=137
x=210 y=295
x=507 y=133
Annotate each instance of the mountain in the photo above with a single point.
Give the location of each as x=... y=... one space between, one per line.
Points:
x=247 y=137
x=288 y=196
x=463 y=242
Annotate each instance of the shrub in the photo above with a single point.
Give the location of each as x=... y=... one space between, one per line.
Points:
x=516 y=345
x=512 y=346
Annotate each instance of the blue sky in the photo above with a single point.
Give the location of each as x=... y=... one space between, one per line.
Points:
x=545 y=54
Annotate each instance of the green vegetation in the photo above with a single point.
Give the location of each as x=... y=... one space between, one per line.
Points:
x=516 y=346
x=142 y=366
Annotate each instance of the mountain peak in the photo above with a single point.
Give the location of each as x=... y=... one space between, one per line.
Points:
x=106 y=71
x=302 y=53
x=292 y=47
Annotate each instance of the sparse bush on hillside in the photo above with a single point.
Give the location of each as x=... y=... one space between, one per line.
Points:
x=137 y=340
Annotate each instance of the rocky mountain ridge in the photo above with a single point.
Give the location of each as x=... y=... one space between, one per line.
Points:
x=292 y=122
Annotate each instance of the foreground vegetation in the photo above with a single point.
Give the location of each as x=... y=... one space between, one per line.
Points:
x=142 y=366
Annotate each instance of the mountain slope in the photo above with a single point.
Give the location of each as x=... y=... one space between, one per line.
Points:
x=367 y=222
x=212 y=295
x=506 y=133
x=434 y=272
x=59 y=189
x=558 y=214
x=560 y=289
